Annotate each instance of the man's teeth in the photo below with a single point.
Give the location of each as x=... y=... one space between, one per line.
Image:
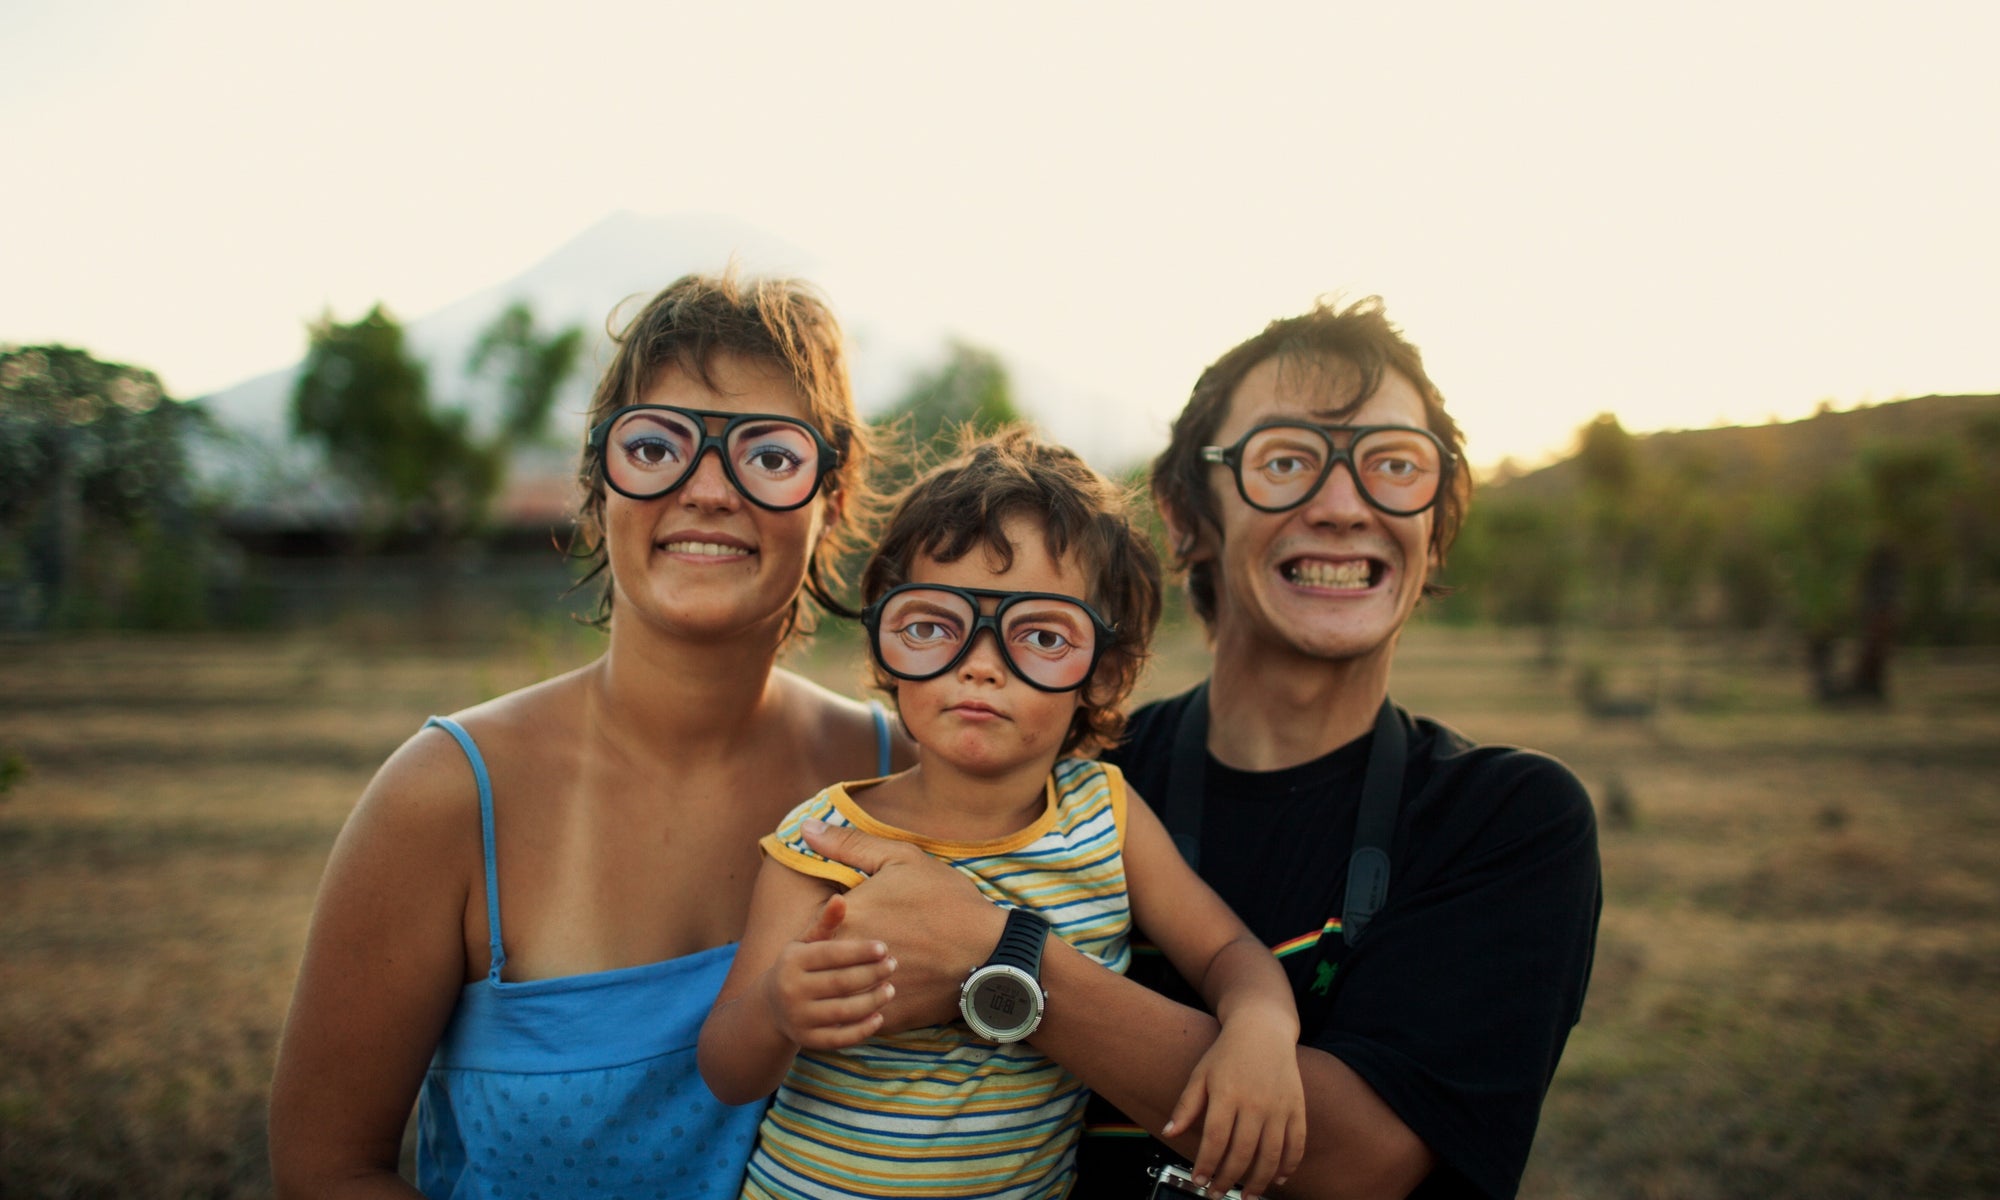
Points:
x=1353 y=573
x=712 y=549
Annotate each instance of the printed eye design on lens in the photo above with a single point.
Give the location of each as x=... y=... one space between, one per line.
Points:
x=1398 y=469
x=921 y=631
x=647 y=446
x=775 y=462
x=1284 y=460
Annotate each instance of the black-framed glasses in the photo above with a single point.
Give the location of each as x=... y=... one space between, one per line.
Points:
x=919 y=631
x=774 y=462
x=1280 y=465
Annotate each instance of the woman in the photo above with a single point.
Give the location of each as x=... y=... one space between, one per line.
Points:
x=612 y=813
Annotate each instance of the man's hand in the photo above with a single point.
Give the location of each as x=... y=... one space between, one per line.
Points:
x=935 y=922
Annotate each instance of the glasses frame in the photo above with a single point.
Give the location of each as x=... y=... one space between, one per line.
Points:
x=1232 y=457
x=829 y=454
x=871 y=619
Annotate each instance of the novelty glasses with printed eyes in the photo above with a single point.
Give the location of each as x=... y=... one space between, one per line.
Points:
x=1280 y=465
x=773 y=462
x=919 y=631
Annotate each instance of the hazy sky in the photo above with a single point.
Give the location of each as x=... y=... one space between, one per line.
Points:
x=1682 y=213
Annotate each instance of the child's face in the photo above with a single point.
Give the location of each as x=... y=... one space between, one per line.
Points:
x=979 y=717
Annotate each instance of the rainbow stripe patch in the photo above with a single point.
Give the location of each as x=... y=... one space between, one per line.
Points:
x=1305 y=941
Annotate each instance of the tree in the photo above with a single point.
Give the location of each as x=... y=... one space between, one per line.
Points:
x=1609 y=460
x=1977 y=534
x=91 y=449
x=367 y=402
x=1911 y=485
x=971 y=389
x=1620 y=541
x=1517 y=560
x=532 y=367
x=418 y=467
x=1746 y=556
x=1687 y=523
x=1823 y=548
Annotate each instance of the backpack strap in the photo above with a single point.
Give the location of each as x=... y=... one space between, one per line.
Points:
x=1374 y=824
x=1187 y=777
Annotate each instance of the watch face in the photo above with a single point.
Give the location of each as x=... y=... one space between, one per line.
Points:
x=1002 y=1005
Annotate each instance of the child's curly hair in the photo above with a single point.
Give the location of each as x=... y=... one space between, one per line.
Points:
x=965 y=503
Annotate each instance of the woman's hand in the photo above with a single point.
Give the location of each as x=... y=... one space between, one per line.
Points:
x=1254 y=1131
x=935 y=922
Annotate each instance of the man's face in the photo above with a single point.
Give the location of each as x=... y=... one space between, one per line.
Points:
x=1334 y=578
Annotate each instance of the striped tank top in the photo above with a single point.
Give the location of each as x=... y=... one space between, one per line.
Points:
x=936 y=1112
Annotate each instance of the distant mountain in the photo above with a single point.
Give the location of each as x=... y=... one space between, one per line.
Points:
x=617 y=263
x=1786 y=454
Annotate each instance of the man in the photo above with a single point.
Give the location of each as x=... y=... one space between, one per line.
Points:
x=1311 y=484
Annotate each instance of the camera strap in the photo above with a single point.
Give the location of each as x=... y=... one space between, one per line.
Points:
x=1374 y=821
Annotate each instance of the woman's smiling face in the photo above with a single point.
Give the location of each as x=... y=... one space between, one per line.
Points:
x=703 y=558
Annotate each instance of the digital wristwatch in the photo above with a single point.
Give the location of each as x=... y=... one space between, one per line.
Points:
x=1002 y=1001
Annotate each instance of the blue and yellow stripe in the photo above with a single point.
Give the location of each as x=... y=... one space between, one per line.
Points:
x=929 y=1112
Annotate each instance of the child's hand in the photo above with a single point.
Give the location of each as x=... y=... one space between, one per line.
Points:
x=1254 y=1133
x=826 y=993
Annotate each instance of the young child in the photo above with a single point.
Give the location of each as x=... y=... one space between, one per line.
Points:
x=1010 y=605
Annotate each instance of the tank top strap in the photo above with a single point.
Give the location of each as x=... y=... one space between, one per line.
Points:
x=465 y=743
x=882 y=762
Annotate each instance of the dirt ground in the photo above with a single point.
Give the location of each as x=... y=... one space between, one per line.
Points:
x=1798 y=980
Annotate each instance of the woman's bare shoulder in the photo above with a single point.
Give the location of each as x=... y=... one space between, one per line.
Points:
x=840 y=729
x=537 y=722
x=426 y=772
x=817 y=697
x=554 y=704
x=431 y=774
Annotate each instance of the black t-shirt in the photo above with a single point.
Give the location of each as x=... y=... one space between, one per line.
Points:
x=1455 y=1004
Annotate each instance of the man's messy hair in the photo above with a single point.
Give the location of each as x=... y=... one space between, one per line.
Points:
x=1353 y=347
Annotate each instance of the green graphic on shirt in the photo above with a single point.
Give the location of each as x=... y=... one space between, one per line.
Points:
x=1323 y=982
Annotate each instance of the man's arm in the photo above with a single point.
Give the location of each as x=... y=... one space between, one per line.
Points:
x=1125 y=1041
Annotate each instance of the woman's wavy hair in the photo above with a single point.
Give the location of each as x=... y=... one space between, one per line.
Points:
x=1354 y=346
x=783 y=322
x=964 y=504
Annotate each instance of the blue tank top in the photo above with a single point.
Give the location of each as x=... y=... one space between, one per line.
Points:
x=584 y=1085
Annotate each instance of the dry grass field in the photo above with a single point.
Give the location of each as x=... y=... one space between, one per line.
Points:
x=1797 y=990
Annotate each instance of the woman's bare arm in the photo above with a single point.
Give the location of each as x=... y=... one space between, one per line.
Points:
x=384 y=963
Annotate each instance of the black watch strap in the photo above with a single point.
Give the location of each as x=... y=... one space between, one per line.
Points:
x=1021 y=942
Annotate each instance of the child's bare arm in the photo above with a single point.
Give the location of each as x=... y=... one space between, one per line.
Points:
x=794 y=984
x=1246 y=1090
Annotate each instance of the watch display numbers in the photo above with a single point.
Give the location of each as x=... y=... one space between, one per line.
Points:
x=999 y=1001
x=1002 y=1000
